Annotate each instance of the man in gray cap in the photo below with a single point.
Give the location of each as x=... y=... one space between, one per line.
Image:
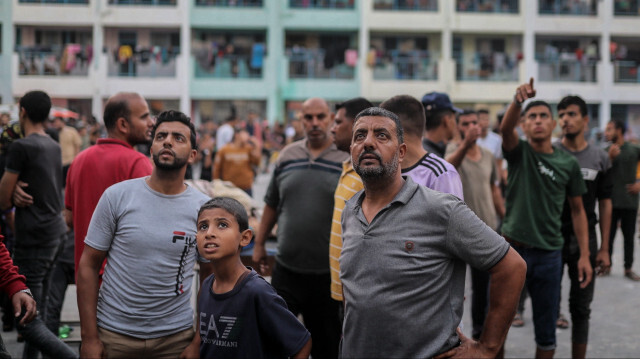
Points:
x=440 y=120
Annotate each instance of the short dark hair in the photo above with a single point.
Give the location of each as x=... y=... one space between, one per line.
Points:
x=230 y=205
x=409 y=110
x=381 y=112
x=573 y=100
x=465 y=112
x=619 y=125
x=176 y=116
x=114 y=109
x=536 y=103
x=37 y=105
x=433 y=119
x=483 y=111
x=354 y=106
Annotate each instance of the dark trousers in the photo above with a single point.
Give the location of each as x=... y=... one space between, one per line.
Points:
x=479 y=300
x=309 y=295
x=36 y=264
x=579 y=298
x=63 y=275
x=627 y=219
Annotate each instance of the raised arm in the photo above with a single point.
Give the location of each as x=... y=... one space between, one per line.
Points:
x=512 y=116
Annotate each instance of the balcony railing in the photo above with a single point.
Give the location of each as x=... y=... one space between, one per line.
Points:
x=627 y=71
x=496 y=66
x=321 y=4
x=405 y=65
x=230 y=66
x=626 y=8
x=70 y=60
x=495 y=6
x=567 y=7
x=230 y=3
x=54 y=1
x=567 y=69
x=406 y=5
x=312 y=64
x=144 y=2
x=153 y=62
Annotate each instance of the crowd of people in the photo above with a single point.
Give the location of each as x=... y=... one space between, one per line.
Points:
x=377 y=210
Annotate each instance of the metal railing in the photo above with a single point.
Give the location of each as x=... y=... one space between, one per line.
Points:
x=70 y=60
x=494 y=6
x=569 y=70
x=626 y=8
x=406 y=65
x=230 y=3
x=406 y=5
x=321 y=4
x=496 y=66
x=312 y=64
x=144 y=2
x=53 y=1
x=626 y=71
x=153 y=62
x=228 y=66
x=568 y=7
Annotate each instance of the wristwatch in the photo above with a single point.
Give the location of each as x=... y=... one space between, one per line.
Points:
x=28 y=291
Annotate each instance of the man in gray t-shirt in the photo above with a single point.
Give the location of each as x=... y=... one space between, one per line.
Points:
x=405 y=249
x=146 y=228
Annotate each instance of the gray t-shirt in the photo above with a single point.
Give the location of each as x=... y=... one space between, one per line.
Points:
x=403 y=274
x=151 y=242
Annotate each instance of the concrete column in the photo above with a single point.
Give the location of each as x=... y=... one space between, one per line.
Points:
x=529 y=41
x=272 y=66
x=98 y=69
x=6 y=57
x=605 y=68
x=185 y=71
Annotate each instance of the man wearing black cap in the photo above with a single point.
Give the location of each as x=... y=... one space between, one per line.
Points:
x=440 y=120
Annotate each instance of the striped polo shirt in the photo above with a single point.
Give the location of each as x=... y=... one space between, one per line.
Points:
x=349 y=184
x=301 y=191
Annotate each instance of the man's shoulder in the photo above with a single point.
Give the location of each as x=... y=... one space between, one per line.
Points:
x=431 y=164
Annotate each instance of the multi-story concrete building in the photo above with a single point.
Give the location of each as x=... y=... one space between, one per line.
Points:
x=206 y=57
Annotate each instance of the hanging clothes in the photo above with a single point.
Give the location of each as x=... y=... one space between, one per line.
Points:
x=257 y=55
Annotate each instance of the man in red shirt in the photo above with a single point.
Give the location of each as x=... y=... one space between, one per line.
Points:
x=111 y=160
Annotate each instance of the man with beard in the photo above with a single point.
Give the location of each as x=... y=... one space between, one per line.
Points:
x=624 y=161
x=111 y=160
x=404 y=284
x=595 y=167
x=146 y=227
x=349 y=184
x=300 y=199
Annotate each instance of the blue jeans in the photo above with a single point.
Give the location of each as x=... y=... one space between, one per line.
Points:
x=36 y=264
x=544 y=275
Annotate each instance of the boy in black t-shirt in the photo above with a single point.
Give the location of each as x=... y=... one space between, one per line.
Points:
x=241 y=316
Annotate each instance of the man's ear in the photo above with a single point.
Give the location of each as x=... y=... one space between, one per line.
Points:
x=122 y=125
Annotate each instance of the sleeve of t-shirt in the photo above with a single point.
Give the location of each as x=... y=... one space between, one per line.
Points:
x=449 y=182
x=494 y=172
x=576 y=186
x=605 y=184
x=278 y=323
x=515 y=154
x=68 y=193
x=102 y=227
x=141 y=167
x=16 y=158
x=471 y=240
x=272 y=196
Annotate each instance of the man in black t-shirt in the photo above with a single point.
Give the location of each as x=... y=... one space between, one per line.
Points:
x=39 y=227
x=595 y=167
